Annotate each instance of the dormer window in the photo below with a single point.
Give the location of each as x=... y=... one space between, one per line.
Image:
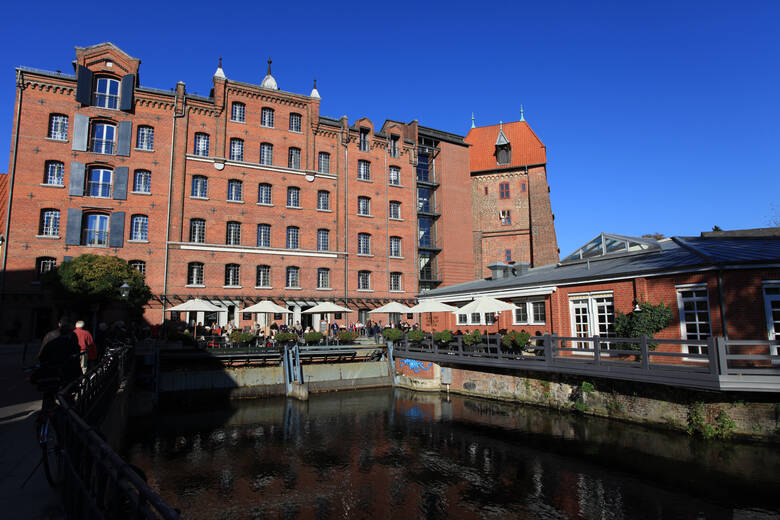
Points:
x=503 y=148
x=363 y=139
x=106 y=94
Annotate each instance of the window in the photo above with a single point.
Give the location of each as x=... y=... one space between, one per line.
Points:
x=592 y=315
x=323 y=162
x=503 y=155
x=44 y=264
x=508 y=255
x=323 y=240
x=425 y=235
x=394 y=146
x=49 y=225
x=694 y=306
x=235 y=190
x=486 y=190
x=292 y=277
x=293 y=197
x=266 y=154
x=198 y=230
x=394 y=176
x=505 y=216
x=142 y=181
x=201 y=144
x=364 y=280
x=236 y=149
x=364 y=244
x=264 y=194
x=292 y=237
x=425 y=200
x=139 y=227
x=395 y=282
x=58 y=127
x=99 y=183
x=294 y=158
x=233 y=234
x=295 y=122
x=363 y=139
x=263 y=235
x=263 y=276
x=55 y=173
x=267 y=117
x=522 y=187
x=195 y=273
x=463 y=319
x=106 y=93
x=364 y=206
x=530 y=312
x=395 y=210
x=232 y=272
x=503 y=190
x=145 y=138
x=103 y=138
x=238 y=112
x=200 y=186
x=95 y=230
x=323 y=278
x=395 y=247
x=323 y=200
x=364 y=170
x=138 y=265
x=772 y=309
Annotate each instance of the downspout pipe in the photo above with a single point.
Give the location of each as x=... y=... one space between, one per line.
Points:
x=345 y=144
x=12 y=173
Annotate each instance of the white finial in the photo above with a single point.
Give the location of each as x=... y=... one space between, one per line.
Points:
x=268 y=80
x=314 y=92
x=522 y=117
x=219 y=73
x=472 y=120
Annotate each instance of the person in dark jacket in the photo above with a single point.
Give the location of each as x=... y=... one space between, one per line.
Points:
x=59 y=354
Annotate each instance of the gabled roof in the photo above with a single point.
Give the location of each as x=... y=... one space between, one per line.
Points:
x=527 y=148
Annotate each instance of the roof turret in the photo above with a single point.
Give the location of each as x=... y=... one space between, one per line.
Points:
x=268 y=80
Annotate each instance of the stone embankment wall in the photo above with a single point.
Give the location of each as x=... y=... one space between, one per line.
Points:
x=709 y=414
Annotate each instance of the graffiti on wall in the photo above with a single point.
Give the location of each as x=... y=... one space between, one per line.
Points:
x=414 y=365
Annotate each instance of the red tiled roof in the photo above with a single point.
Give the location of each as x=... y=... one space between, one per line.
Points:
x=526 y=147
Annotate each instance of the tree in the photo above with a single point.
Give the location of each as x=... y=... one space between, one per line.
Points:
x=716 y=228
x=95 y=280
x=656 y=235
x=644 y=322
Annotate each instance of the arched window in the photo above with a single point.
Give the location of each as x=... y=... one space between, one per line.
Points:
x=263 y=235
x=292 y=237
x=364 y=244
x=293 y=197
x=106 y=94
x=103 y=137
x=294 y=158
x=138 y=265
x=49 y=225
x=293 y=280
x=233 y=234
x=364 y=170
x=323 y=200
x=395 y=282
x=95 y=230
x=195 y=273
x=197 y=230
x=200 y=186
x=142 y=181
x=323 y=278
x=145 y=138
x=267 y=117
x=54 y=174
x=395 y=247
x=323 y=240
x=232 y=275
x=266 y=154
x=238 y=112
x=139 y=228
x=323 y=162
x=263 y=276
x=364 y=280
x=295 y=122
x=201 y=144
x=394 y=210
x=44 y=264
x=264 y=194
x=364 y=206
x=58 y=127
x=236 y=149
x=235 y=190
x=394 y=176
x=99 y=182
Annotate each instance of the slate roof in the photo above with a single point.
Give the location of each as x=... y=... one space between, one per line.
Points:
x=527 y=148
x=675 y=254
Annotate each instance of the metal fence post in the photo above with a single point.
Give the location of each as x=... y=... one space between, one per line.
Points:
x=723 y=362
x=548 y=351
x=645 y=353
x=596 y=350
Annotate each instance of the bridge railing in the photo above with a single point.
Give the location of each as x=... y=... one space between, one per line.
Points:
x=712 y=363
x=97 y=483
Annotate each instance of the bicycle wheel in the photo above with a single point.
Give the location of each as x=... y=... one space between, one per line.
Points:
x=51 y=451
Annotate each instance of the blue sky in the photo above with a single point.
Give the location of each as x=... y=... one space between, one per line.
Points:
x=660 y=117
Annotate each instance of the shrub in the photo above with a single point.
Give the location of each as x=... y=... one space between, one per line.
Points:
x=587 y=387
x=516 y=339
x=313 y=337
x=345 y=335
x=472 y=338
x=284 y=337
x=415 y=335
x=185 y=337
x=444 y=336
x=650 y=320
x=238 y=336
x=392 y=334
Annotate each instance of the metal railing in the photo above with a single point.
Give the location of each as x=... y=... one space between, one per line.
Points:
x=712 y=364
x=97 y=482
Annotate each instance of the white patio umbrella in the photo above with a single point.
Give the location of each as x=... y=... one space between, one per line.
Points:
x=326 y=308
x=431 y=306
x=196 y=305
x=266 y=307
x=485 y=304
x=391 y=307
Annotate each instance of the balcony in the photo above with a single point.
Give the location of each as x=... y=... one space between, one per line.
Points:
x=428 y=209
x=430 y=276
x=94 y=238
x=429 y=243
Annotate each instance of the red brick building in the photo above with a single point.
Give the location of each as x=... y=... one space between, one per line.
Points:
x=244 y=195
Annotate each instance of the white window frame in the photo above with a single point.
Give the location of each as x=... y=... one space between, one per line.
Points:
x=323 y=240
x=263 y=274
x=296 y=122
x=58 y=127
x=267 y=117
x=139 y=228
x=588 y=301
x=201 y=145
x=394 y=210
x=395 y=249
x=264 y=194
x=235 y=190
x=528 y=304
x=264 y=235
x=138 y=265
x=681 y=314
x=55 y=170
x=323 y=278
x=238 y=112
x=364 y=206
x=195 y=273
x=293 y=277
x=323 y=162
x=100 y=186
x=292 y=238
x=233 y=233
x=101 y=141
x=364 y=170
x=236 y=149
x=294 y=158
x=293 y=197
x=364 y=280
x=197 y=230
x=50 y=222
x=98 y=234
x=142 y=181
x=102 y=96
x=232 y=275
x=323 y=200
x=200 y=187
x=266 y=154
x=364 y=239
x=395 y=282
x=145 y=138
x=394 y=176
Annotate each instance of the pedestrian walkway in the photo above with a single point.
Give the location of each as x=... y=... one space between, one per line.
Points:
x=19 y=452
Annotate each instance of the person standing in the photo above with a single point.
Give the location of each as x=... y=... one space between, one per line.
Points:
x=89 y=353
x=59 y=353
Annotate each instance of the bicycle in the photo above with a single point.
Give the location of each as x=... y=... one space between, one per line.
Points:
x=45 y=425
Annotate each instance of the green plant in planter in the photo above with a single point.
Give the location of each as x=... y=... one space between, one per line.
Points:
x=514 y=339
x=312 y=337
x=284 y=337
x=472 y=338
x=346 y=336
x=646 y=322
x=415 y=336
x=393 y=334
x=444 y=336
x=238 y=336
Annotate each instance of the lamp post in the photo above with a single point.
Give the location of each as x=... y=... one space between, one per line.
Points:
x=124 y=291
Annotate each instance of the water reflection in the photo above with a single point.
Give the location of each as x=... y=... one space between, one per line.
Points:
x=395 y=454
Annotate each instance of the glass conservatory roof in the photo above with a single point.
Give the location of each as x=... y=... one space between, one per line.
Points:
x=611 y=245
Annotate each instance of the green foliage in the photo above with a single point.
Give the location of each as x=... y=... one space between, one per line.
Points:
x=725 y=425
x=346 y=336
x=515 y=339
x=444 y=336
x=313 y=337
x=238 y=336
x=647 y=322
x=581 y=406
x=392 y=334
x=587 y=387
x=284 y=337
x=614 y=406
x=95 y=279
x=415 y=336
x=723 y=428
x=472 y=338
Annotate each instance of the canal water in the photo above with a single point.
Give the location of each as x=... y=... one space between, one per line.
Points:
x=389 y=453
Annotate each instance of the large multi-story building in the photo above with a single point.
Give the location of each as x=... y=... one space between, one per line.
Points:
x=244 y=195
